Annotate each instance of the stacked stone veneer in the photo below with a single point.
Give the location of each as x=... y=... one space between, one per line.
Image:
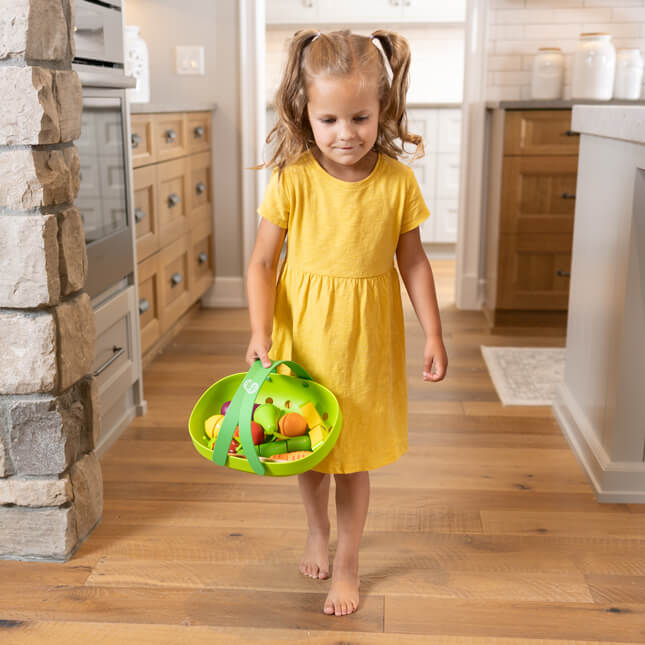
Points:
x=51 y=491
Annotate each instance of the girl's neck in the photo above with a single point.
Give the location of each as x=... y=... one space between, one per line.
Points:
x=356 y=172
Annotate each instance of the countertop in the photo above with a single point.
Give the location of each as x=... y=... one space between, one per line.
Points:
x=535 y=104
x=147 y=108
x=611 y=121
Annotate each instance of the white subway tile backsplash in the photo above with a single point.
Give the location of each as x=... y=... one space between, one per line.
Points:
x=552 y=23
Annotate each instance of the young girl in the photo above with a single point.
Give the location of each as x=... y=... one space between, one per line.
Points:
x=349 y=207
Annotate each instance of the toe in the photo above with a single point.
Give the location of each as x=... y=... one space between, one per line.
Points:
x=329 y=609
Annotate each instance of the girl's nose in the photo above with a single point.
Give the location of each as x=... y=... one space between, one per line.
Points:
x=346 y=131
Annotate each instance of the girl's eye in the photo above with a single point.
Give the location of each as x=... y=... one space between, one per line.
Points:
x=361 y=118
x=328 y=120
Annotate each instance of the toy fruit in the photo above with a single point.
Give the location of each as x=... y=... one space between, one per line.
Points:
x=257 y=432
x=292 y=425
x=267 y=415
x=292 y=456
x=310 y=413
x=225 y=405
x=212 y=425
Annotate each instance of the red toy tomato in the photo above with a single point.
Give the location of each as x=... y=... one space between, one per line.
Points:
x=257 y=432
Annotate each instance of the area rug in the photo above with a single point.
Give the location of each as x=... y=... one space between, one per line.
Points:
x=525 y=375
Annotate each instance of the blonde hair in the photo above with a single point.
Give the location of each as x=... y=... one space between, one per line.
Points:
x=313 y=54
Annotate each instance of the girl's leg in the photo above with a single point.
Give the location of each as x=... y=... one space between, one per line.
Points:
x=352 y=501
x=314 y=489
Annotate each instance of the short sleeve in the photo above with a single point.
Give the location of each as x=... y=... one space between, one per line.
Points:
x=415 y=211
x=275 y=206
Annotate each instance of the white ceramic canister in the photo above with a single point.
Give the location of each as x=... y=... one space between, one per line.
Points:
x=548 y=72
x=137 y=65
x=594 y=64
x=629 y=74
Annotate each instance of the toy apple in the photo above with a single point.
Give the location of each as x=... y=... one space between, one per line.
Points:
x=257 y=432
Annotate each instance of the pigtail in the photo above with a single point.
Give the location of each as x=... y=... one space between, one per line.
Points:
x=393 y=117
x=292 y=132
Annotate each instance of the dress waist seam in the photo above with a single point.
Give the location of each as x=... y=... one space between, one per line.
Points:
x=331 y=275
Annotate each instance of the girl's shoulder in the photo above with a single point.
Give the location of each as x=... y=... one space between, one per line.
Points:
x=395 y=168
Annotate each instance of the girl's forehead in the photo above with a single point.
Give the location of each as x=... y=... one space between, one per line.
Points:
x=348 y=87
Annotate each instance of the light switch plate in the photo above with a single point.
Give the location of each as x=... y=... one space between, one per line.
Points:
x=189 y=59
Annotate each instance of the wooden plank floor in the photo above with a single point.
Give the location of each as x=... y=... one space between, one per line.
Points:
x=485 y=532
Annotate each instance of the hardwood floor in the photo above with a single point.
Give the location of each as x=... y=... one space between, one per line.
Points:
x=485 y=532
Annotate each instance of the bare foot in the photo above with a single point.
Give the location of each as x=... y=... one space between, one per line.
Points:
x=315 y=560
x=342 y=598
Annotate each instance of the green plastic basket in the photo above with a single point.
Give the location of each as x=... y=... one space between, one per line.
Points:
x=243 y=390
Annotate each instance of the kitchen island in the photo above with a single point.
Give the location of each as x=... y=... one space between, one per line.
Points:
x=600 y=406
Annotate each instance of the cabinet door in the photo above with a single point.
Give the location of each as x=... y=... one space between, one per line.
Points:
x=449 y=134
x=173 y=199
x=291 y=11
x=534 y=271
x=198 y=131
x=200 y=187
x=447 y=175
x=148 y=277
x=333 y=11
x=538 y=194
x=445 y=224
x=146 y=211
x=174 y=281
x=539 y=132
x=201 y=259
x=141 y=140
x=434 y=10
x=169 y=132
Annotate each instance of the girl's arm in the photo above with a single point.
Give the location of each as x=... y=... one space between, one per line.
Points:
x=417 y=276
x=260 y=289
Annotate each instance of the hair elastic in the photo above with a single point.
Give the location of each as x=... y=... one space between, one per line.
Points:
x=386 y=62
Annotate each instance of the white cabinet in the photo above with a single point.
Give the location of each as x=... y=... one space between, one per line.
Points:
x=285 y=12
x=438 y=170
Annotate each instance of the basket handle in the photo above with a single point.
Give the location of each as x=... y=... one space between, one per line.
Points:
x=240 y=412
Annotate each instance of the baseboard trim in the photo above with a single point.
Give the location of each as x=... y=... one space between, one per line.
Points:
x=612 y=481
x=226 y=292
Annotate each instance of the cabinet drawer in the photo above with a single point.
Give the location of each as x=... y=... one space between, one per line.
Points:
x=170 y=136
x=114 y=366
x=146 y=211
x=539 y=132
x=538 y=194
x=201 y=259
x=198 y=131
x=175 y=278
x=200 y=187
x=149 y=309
x=173 y=199
x=142 y=140
x=534 y=271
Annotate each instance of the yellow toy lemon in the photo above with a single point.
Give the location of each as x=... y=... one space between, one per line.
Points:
x=212 y=425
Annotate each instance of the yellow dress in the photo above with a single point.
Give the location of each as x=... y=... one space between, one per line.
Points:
x=338 y=302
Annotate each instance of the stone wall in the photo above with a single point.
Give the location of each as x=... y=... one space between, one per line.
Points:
x=51 y=490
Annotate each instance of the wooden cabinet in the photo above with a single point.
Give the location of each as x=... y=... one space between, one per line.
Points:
x=533 y=162
x=174 y=217
x=363 y=11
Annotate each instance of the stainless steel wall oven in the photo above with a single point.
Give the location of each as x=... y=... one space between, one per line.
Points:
x=104 y=147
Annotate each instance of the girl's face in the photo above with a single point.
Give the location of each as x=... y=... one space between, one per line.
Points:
x=343 y=113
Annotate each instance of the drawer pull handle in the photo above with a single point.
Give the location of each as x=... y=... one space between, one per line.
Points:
x=568 y=196
x=171 y=136
x=202 y=257
x=144 y=305
x=176 y=279
x=563 y=274
x=116 y=352
x=136 y=140
x=139 y=214
x=571 y=133
x=173 y=200
x=200 y=187
x=198 y=131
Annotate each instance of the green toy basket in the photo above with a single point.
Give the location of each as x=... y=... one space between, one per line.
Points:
x=261 y=385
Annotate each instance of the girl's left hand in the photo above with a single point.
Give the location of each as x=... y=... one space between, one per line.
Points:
x=435 y=359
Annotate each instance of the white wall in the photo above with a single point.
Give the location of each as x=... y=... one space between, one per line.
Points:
x=518 y=27
x=436 y=70
x=214 y=25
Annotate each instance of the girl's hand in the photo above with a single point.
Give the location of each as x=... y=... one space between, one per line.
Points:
x=259 y=347
x=435 y=359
